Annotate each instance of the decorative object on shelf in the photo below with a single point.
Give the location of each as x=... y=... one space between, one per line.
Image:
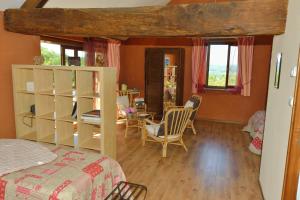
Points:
x=30 y=86
x=278 y=70
x=32 y=109
x=38 y=60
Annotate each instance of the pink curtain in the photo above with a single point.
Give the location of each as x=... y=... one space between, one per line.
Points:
x=199 y=65
x=113 y=54
x=245 y=59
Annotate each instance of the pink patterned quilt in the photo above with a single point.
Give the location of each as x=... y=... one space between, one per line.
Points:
x=73 y=175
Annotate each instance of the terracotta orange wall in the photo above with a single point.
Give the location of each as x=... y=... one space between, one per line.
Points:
x=217 y=105
x=14 y=49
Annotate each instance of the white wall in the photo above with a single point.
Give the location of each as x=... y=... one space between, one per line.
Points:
x=278 y=117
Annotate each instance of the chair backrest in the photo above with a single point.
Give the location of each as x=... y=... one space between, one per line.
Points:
x=176 y=121
x=123 y=92
x=197 y=100
x=123 y=102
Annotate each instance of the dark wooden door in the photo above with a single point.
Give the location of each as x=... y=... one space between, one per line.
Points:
x=154 y=78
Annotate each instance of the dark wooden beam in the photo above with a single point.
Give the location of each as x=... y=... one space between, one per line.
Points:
x=247 y=17
x=33 y=4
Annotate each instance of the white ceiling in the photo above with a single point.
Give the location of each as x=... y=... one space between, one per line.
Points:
x=4 y=4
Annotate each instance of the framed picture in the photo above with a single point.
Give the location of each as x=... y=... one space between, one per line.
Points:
x=99 y=59
x=278 y=70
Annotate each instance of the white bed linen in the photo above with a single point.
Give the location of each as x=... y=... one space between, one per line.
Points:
x=17 y=154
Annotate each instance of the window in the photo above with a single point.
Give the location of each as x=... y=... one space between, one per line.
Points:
x=59 y=54
x=222 y=65
x=51 y=53
x=70 y=51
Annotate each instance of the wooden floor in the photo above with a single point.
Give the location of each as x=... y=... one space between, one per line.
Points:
x=218 y=165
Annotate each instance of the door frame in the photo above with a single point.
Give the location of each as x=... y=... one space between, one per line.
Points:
x=292 y=167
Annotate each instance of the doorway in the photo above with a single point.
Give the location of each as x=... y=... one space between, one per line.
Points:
x=164 y=76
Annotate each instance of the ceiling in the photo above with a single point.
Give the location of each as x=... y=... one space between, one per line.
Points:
x=4 y=4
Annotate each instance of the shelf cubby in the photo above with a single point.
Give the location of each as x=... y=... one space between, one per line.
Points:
x=65 y=82
x=21 y=76
x=23 y=102
x=45 y=130
x=85 y=83
x=65 y=133
x=26 y=127
x=89 y=136
x=64 y=107
x=43 y=79
x=84 y=105
x=45 y=106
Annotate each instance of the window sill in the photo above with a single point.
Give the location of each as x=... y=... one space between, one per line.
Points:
x=221 y=90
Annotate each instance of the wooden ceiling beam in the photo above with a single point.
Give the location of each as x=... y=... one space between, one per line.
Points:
x=33 y=4
x=247 y=17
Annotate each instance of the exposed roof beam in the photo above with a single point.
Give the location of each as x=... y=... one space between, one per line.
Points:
x=247 y=17
x=33 y=4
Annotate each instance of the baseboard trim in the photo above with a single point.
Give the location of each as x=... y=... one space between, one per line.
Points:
x=220 y=121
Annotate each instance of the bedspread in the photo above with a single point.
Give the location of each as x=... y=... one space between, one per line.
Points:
x=73 y=175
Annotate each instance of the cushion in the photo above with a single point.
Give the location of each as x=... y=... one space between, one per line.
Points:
x=161 y=131
x=189 y=104
x=123 y=102
x=152 y=129
x=196 y=103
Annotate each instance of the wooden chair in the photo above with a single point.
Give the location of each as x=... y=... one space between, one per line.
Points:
x=194 y=112
x=169 y=131
x=122 y=92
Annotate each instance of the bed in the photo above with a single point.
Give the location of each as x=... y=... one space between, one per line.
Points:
x=74 y=174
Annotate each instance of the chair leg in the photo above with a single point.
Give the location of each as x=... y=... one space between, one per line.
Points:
x=185 y=148
x=144 y=136
x=126 y=130
x=193 y=128
x=164 y=150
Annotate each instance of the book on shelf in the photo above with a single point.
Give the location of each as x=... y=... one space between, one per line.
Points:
x=92 y=116
x=92 y=113
x=91 y=120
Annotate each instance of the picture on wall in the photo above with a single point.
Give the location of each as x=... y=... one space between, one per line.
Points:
x=278 y=70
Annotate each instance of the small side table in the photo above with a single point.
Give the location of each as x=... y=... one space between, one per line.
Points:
x=139 y=117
